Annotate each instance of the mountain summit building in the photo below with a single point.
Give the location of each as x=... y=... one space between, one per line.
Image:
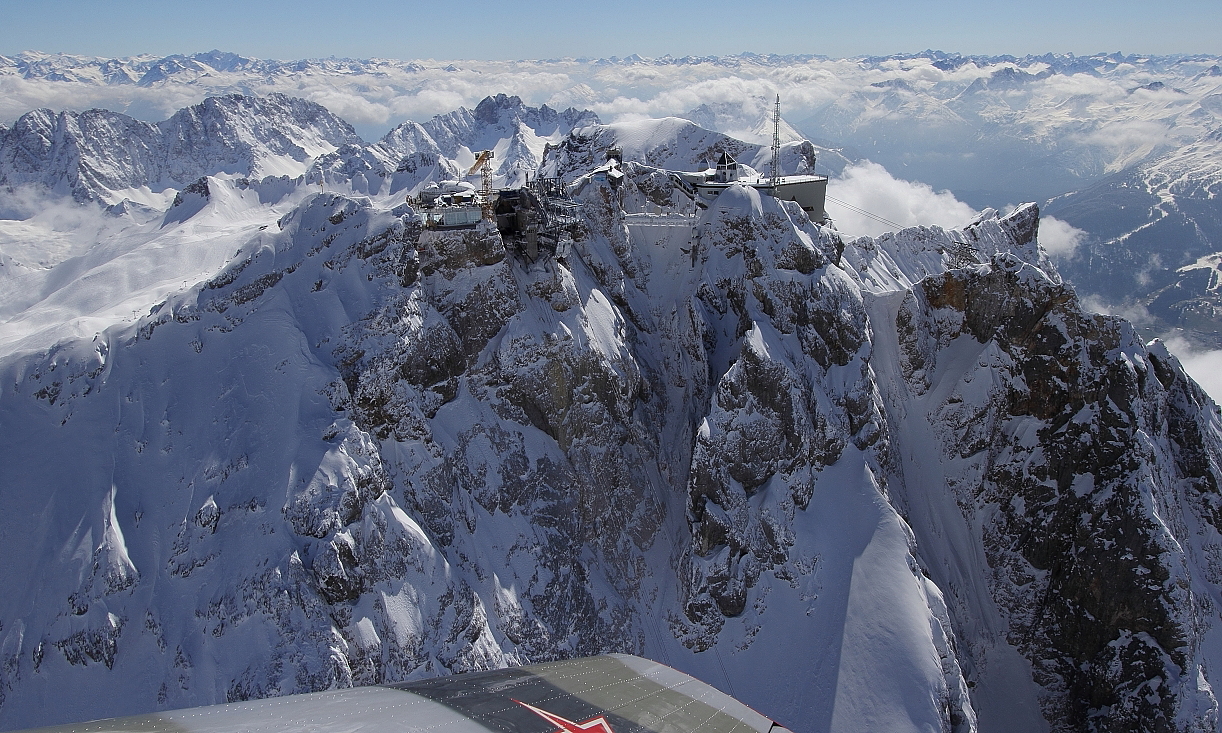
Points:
x=809 y=191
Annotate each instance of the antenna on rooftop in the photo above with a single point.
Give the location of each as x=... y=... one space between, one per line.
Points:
x=776 y=141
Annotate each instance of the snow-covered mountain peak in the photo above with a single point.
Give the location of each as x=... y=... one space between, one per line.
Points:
x=898 y=483
x=104 y=156
x=496 y=110
x=445 y=147
x=677 y=144
x=517 y=133
x=273 y=135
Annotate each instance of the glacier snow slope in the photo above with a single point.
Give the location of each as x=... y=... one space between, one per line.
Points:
x=113 y=269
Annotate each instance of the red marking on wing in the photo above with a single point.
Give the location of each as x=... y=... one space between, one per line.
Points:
x=564 y=725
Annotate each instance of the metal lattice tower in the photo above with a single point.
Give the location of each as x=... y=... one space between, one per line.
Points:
x=487 y=204
x=483 y=163
x=776 y=142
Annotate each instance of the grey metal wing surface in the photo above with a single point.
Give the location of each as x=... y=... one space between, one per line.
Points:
x=616 y=693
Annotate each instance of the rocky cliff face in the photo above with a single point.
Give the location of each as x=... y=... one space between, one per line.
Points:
x=903 y=483
x=1056 y=434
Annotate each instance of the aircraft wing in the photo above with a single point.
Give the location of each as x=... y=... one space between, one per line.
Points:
x=617 y=693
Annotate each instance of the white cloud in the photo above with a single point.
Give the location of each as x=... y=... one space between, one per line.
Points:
x=357 y=111
x=1104 y=124
x=868 y=186
x=1082 y=88
x=734 y=90
x=1059 y=238
x=1127 y=140
x=18 y=96
x=1203 y=366
x=1131 y=312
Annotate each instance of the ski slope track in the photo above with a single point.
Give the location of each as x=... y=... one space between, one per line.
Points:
x=265 y=436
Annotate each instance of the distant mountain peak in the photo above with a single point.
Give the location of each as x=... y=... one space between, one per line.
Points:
x=489 y=108
x=95 y=154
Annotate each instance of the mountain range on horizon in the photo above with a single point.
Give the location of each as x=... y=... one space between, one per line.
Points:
x=992 y=130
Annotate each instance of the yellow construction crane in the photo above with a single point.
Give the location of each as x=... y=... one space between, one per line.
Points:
x=484 y=166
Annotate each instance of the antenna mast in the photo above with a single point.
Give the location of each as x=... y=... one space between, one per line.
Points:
x=776 y=141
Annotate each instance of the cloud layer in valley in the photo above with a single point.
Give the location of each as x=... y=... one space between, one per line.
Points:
x=1100 y=109
x=866 y=194
x=1059 y=238
x=1205 y=366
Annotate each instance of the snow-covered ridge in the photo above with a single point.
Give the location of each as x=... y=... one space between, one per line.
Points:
x=103 y=156
x=953 y=121
x=107 y=157
x=895 y=483
x=446 y=146
x=199 y=172
x=221 y=171
x=147 y=70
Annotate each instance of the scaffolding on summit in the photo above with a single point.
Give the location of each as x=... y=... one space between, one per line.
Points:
x=455 y=204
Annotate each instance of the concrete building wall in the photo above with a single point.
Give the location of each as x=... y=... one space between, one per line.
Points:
x=811 y=195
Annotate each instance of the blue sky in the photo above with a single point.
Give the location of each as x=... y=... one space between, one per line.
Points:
x=515 y=29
